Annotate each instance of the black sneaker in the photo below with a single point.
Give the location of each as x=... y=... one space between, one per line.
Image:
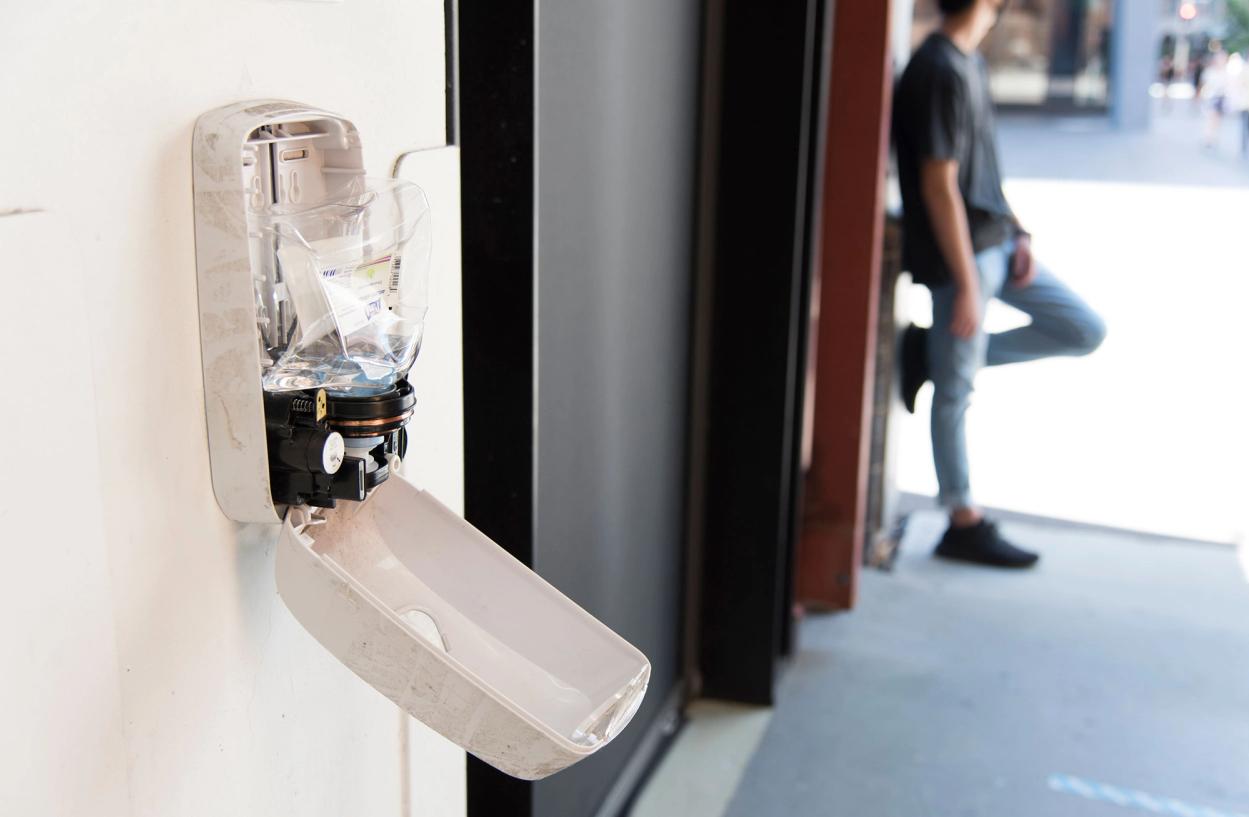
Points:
x=981 y=543
x=914 y=364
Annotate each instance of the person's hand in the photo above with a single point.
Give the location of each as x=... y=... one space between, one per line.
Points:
x=1023 y=265
x=966 y=318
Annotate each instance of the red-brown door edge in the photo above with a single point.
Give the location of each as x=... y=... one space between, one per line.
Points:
x=844 y=307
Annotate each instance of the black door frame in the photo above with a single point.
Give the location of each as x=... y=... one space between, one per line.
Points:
x=755 y=287
x=758 y=189
x=494 y=115
x=495 y=87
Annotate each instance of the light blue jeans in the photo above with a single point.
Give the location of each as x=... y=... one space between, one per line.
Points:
x=1062 y=324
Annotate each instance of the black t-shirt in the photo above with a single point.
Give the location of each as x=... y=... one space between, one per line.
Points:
x=942 y=110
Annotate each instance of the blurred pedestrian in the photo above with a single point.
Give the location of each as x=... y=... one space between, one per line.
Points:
x=1166 y=75
x=1199 y=69
x=962 y=240
x=1214 y=93
x=1238 y=96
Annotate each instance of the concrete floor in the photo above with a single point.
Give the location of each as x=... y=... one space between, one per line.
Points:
x=1115 y=675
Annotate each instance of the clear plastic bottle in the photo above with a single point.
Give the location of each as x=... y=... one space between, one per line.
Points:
x=341 y=287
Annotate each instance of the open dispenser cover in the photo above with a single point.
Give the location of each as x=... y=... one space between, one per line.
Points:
x=453 y=629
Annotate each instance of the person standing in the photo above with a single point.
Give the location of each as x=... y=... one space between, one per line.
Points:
x=1166 y=76
x=1214 y=92
x=1199 y=70
x=962 y=240
x=1238 y=97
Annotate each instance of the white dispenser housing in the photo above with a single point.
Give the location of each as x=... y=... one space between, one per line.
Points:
x=311 y=294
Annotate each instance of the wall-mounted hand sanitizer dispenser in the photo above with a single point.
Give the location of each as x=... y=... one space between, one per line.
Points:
x=312 y=287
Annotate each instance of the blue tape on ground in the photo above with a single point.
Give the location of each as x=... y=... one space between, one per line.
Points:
x=1130 y=798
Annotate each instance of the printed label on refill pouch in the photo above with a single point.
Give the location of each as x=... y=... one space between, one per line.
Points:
x=358 y=293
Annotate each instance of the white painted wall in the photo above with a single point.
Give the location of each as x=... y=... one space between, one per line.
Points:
x=147 y=665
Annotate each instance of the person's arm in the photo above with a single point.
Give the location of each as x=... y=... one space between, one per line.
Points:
x=947 y=214
x=1022 y=264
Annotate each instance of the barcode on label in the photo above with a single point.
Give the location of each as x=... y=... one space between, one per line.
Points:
x=396 y=264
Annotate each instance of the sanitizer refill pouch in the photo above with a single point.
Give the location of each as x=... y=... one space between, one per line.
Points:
x=346 y=287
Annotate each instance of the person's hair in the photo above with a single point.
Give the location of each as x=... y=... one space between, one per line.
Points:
x=954 y=6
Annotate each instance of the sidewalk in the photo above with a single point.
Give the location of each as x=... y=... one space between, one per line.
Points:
x=1150 y=432
x=1091 y=150
x=1116 y=669
x=1111 y=677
